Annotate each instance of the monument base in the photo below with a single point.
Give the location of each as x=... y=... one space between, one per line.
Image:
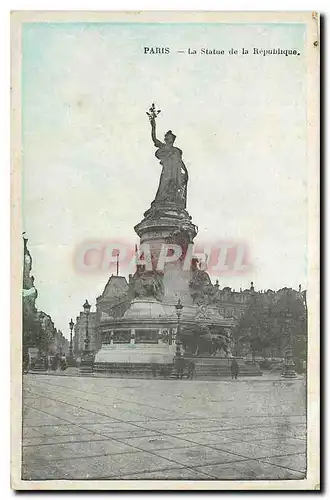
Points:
x=133 y=358
x=216 y=366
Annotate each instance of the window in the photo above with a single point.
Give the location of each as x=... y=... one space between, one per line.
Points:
x=106 y=337
x=146 y=336
x=122 y=337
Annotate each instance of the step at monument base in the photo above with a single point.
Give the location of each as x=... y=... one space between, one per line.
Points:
x=213 y=366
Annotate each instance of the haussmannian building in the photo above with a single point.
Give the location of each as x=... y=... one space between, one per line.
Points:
x=79 y=336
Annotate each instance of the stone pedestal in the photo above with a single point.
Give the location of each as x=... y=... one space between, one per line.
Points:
x=166 y=224
x=87 y=363
x=289 y=370
x=135 y=353
x=162 y=221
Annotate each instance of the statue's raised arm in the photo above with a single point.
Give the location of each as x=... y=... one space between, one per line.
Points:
x=152 y=114
x=157 y=142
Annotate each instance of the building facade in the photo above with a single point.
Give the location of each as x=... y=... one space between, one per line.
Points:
x=78 y=340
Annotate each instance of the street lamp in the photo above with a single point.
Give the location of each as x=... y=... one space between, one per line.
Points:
x=86 y=364
x=70 y=360
x=87 y=308
x=178 y=308
x=289 y=367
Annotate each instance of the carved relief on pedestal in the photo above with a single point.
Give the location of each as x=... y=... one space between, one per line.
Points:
x=201 y=288
x=164 y=336
x=106 y=337
x=148 y=284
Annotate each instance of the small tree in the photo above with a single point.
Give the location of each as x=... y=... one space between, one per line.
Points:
x=273 y=322
x=255 y=326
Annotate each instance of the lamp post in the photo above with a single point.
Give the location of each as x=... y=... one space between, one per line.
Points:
x=86 y=365
x=70 y=360
x=289 y=367
x=178 y=308
x=87 y=308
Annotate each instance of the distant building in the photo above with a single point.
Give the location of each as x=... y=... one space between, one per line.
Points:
x=61 y=343
x=29 y=292
x=231 y=304
x=39 y=331
x=54 y=338
x=78 y=340
x=115 y=299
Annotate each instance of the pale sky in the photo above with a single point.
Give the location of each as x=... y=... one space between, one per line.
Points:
x=89 y=170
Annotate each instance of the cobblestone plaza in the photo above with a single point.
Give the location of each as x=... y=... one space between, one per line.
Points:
x=107 y=428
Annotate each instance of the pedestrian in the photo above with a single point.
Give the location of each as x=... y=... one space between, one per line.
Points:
x=180 y=363
x=63 y=364
x=234 y=369
x=26 y=361
x=154 y=370
x=191 y=370
x=55 y=363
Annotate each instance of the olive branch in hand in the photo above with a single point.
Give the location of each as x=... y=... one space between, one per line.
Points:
x=153 y=112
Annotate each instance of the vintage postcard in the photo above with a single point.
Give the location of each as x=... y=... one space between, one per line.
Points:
x=165 y=250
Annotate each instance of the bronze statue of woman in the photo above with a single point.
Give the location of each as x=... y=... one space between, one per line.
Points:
x=174 y=177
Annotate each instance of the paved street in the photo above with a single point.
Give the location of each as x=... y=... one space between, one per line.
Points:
x=107 y=428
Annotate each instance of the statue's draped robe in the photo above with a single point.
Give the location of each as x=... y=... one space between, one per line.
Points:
x=172 y=184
